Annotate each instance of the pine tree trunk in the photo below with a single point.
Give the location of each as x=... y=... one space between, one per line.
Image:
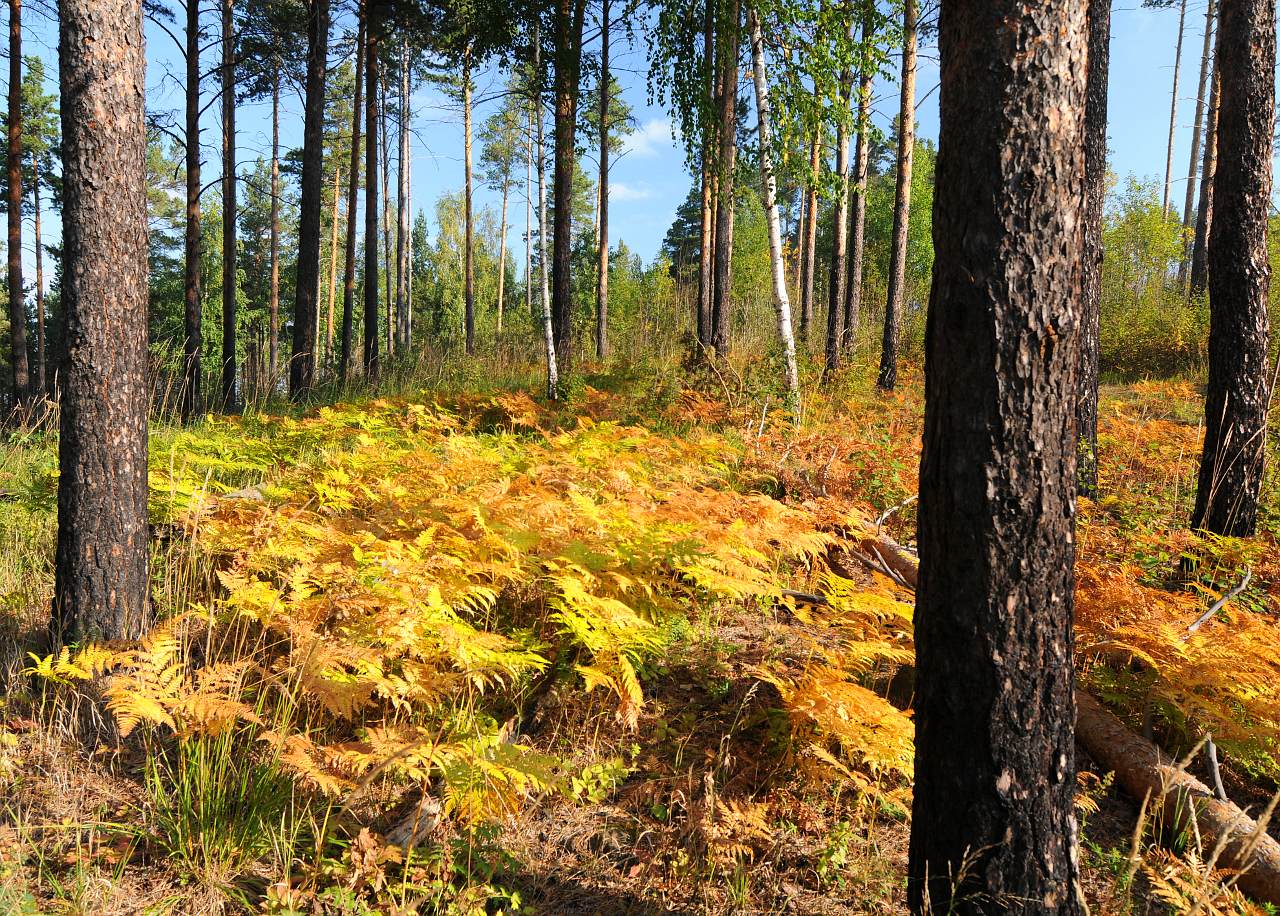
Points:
x=371 y=358
x=1173 y=109
x=388 y=267
x=528 y=221
x=192 y=344
x=333 y=260
x=548 y=322
x=839 y=238
x=1193 y=163
x=1095 y=177
x=769 y=182
x=706 y=224
x=809 y=237
x=101 y=564
x=1231 y=468
x=273 y=345
x=17 y=295
x=469 y=261
x=602 y=278
x=894 y=302
x=229 y=272
x=1199 y=280
x=302 y=364
x=502 y=252
x=568 y=61
x=993 y=825
x=722 y=300
x=861 y=165
x=353 y=189
x=402 y=208
x=42 y=372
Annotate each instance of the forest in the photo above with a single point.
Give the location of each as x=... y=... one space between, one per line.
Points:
x=895 y=534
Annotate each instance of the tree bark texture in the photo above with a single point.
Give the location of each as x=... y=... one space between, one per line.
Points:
x=403 y=319
x=193 y=344
x=721 y=301
x=861 y=163
x=469 y=268
x=371 y=357
x=1193 y=163
x=602 y=276
x=273 y=345
x=568 y=67
x=21 y=370
x=993 y=826
x=1199 y=279
x=839 y=237
x=229 y=274
x=548 y=322
x=42 y=378
x=809 y=236
x=353 y=190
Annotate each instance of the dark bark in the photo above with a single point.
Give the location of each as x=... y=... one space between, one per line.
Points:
x=1206 y=58
x=192 y=344
x=353 y=188
x=861 y=163
x=706 y=226
x=42 y=376
x=568 y=67
x=468 y=255
x=839 y=238
x=722 y=287
x=302 y=365
x=371 y=204
x=809 y=236
x=602 y=278
x=1239 y=275
x=101 y=564
x=273 y=346
x=1199 y=280
x=13 y=185
x=896 y=298
x=228 y=208
x=1095 y=195
x=993 y=827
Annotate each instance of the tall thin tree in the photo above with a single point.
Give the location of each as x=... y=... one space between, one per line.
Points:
x=569 y=15
x=729 y=47
x=273 y=345
x=809 y=233
x=1239 y=389
x=861 y=169
x=371 y=356
x=993 y=825
x=403 y=322
x=101 y=578
x=229 y=271
x=1188 y=211
x=21 y=374
x=602 y=265
x=1198 y=280
x=193 y=343
x=468 y=217
x=353 y=190
x=839 y=235
x=706 y=224
x=1173 y=108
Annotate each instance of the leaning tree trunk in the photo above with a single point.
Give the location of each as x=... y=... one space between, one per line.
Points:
x=192 y=344
x=895 y=300
x=1193 y=163
x=568 y=65
x=101 y=564
x=1173 y=109
x=273 y=345
x=17 y=296
x=1199 y=280
x=302 y=365
x=548 y=323
x=42 y=374
x=769 y=184
x=353 y=189
x=229 y=274
x=371 y=359
x=861 y=164
x=402 y=208
x=809 y=235
x=468 y=245
x=839 y=237
x=993 y=825
x=602 y=278
x=1095 y=177
x=1237 y=396
x=721 y=302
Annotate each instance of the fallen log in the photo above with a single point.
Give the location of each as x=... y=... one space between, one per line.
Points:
x=1142 y=770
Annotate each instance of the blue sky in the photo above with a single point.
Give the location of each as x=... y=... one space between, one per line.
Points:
x=649 y=179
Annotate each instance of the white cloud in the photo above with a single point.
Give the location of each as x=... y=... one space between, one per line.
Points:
x=653 y=137
x=620 y=191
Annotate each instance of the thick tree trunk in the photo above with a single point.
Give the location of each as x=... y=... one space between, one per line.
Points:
x=993 y=826
x=722 y=299
x=371 y=358
x=1239 y=276
x=568 y=66
x=602 y=278
x=468 y=245
x=101 y=565
x=333 y=260
x=896 y=298
x=839 y=238
x=1188 y=228
x=1199 y=280
x=769 y=182
x=1095 y=177
x=302 y=365
x=861 y=165
x=1173 y=109
x=548 y=322
x=192 y=344
x=353 y=190
x=502 y=252
x=273 y=345
x=809 y=236
x=42 y=372
x=13 y=185
x=706 y=223
x=229 y=273
x=402 y=208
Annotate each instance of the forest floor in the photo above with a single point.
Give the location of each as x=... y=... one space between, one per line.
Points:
x=469 y=653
